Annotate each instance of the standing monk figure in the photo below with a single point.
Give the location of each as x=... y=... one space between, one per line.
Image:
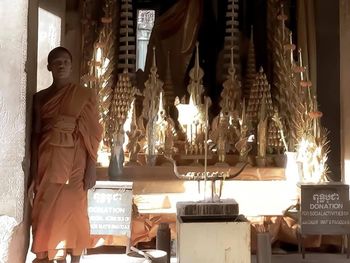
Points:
x=65 y=139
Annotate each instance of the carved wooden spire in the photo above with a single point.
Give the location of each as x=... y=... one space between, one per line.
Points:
x=127 y=44
x=101 y=75
x=251 y=67
x=195 y=88
x=168 y=86
x=124 y=92
x=231 y=93
x=153 y=87
x=152 y=91
x=232 y=37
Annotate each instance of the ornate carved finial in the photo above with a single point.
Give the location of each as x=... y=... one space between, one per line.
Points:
x=222 y=124
x=291 y=48
x=161 y=123
x=282 y=17
x=195 y=88
x=231 y=93
x=152 y=91
x=196 y=65
x=301 y=65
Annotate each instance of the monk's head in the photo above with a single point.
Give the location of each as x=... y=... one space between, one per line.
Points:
x=60 y=63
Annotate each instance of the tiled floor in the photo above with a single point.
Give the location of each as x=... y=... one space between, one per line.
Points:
x=287 y=258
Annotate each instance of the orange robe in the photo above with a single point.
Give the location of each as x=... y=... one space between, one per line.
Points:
x=70 y=132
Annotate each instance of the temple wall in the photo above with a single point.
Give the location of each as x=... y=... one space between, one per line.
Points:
x=13 y=56
x=344 y=25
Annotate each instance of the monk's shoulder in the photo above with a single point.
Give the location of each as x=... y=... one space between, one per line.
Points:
x=41 y=93
x=40 y=96
x=84 y=93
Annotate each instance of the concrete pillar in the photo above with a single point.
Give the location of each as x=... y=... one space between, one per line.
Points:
x=72 y=41
x=328 y=80
x=51 y=26
x=344 y=25
x=13 y=57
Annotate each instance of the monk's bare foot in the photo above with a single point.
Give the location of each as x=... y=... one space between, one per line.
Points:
x=75 y=259
x=60 y=261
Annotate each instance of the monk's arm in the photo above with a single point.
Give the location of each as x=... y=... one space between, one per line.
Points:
x=90 y=173
x=34 y=141
x=91 y=130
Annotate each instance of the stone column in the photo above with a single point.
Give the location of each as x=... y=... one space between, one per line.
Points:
x=13 y=56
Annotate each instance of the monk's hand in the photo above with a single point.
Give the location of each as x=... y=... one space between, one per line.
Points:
x=90 y=174
x=31 y=194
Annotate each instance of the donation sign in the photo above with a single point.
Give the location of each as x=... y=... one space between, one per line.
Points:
x=325 y=209
x=110 y=208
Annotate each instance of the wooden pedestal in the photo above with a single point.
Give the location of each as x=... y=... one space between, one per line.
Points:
x=209 y=242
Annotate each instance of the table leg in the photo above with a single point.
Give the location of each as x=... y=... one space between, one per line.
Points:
x=347 y=245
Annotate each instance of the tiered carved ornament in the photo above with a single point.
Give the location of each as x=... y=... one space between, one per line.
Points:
x=102 y=67
x=260 y=90
x=126 y=60
x=250 y=74
x=224 y=127
x=231 y=38
x=284 y=82
x=261 y=93
x=298 y=109
x=124 y=94
x=192 y=115
x=151 y=93
x=127 y=47
x=313 y=145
